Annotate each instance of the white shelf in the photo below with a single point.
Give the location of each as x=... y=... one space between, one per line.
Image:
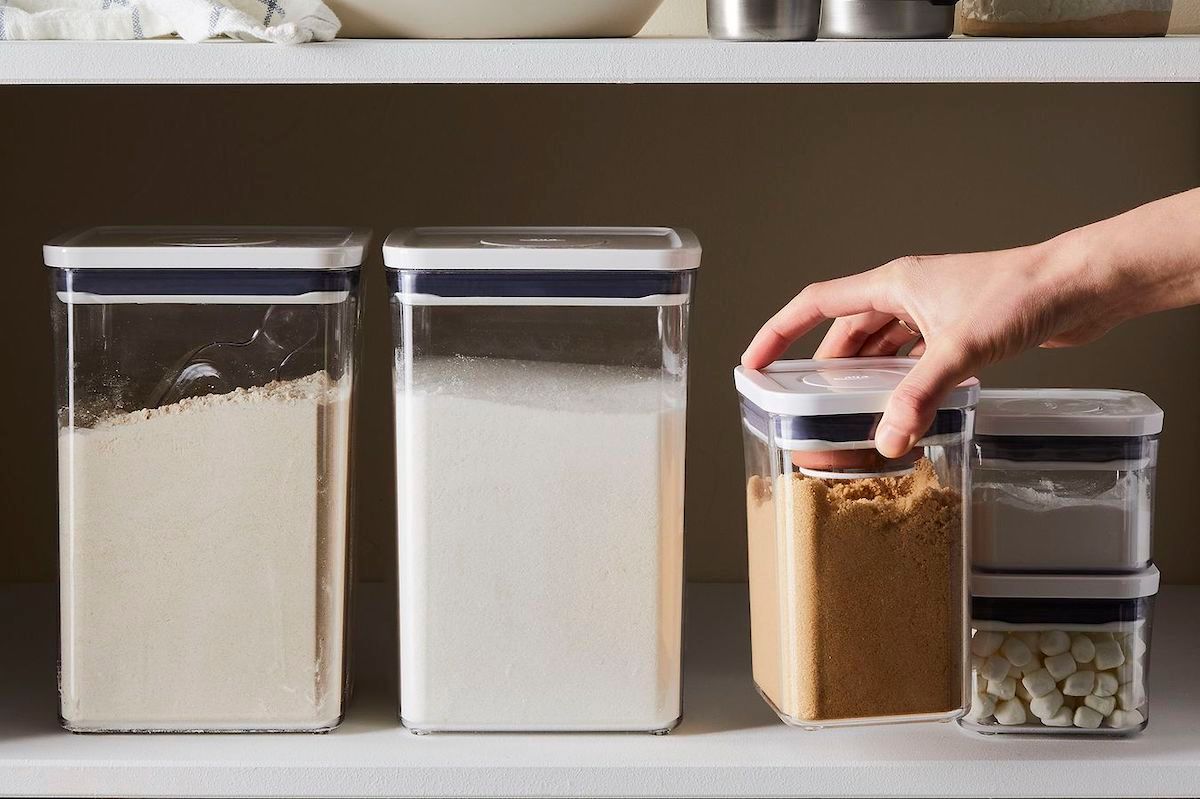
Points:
x=960 y=60
x=730 y=743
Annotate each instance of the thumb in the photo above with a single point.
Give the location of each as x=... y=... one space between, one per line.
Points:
x=914 y=402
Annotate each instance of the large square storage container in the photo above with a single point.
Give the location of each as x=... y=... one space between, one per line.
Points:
x=541 y=390
x=204 y=403
x=1064 y=480
x=858 y=563
x=1062 y=654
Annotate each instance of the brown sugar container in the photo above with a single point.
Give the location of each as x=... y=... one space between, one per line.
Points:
x=858 y=563
x=1066 y=17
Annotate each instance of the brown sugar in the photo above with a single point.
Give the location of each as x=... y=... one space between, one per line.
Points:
x=857 y=595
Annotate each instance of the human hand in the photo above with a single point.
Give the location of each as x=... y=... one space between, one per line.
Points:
x=976 y=309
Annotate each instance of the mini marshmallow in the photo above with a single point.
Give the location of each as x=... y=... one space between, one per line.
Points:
x=1104 y=705
x=1002 y=689
x=1034 y=665
x=1098 y=638
x=1129 y=671
x=1046 y=706
x=1123 y=719
x=994 y=668
x=1062 y=665
x=1054 y=642
x=1023 y=692
x=1014 y=671
x=977 y=662
x=1017 y=652
x=1082 y=648
x=1080 y=683
x=1029 y=638
x=982 y=706
x=1133 y=647
x=1087 y=718
x=1039 y=683
x=986 y=642
x=1131 y=696
x=1010 y=712
x=1065 y=717
x=1106 y=684
x=1108 y=655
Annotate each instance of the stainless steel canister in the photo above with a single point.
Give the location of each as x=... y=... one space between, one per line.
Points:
x=764 y=20
x=887 y=19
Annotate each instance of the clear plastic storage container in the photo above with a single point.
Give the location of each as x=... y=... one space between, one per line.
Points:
x=1063 y=654
x=541 y=388
x=1064 y=480
x=858 y=596
x=204 y=403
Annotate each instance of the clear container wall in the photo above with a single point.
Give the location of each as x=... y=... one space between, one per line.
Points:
x=203 y=457
x=540 y=465
x=1060 y=666
x=857 y=563
x=1040 y=514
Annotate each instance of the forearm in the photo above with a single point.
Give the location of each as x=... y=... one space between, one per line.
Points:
x=1148 y=258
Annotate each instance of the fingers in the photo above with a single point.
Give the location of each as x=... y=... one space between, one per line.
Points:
x=845 y=296
x=918 y=349
x=848 y=334
x=915 y=401
x=889 y=340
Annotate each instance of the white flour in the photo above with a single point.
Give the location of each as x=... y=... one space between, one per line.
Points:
x=1034 y=520
x=541 y=546
x=203 y=562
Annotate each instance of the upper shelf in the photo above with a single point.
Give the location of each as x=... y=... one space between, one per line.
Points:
x=959 y=60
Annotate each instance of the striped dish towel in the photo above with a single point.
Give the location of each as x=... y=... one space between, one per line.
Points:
x=280 y=21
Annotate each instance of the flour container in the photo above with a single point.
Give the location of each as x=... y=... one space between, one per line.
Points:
x=1063 y=654
x=203 y=395
x=1064 y=480
x=858 y=594
x=540 y=387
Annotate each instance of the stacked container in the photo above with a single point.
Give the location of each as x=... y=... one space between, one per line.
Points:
x=1063 y=588
x=541 y=390
x=858 y=595
x=204 y=401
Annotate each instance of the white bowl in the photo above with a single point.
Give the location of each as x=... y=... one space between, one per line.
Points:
x=491 y=19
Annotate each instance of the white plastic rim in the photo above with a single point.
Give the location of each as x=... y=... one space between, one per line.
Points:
x=1135 y=585
x=1004 y=464
x=1032 y=412
x=551 y=249
x=209 y=247
x=650 y=301
x=836 y=386
x=823 y=475
x=311 y=298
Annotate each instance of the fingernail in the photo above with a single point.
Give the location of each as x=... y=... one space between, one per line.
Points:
x=890 y=442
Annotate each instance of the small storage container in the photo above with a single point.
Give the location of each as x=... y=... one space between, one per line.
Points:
x=1063 y=654
x=541 y=388
x=858 y=595
x=204 y=386
x=1064 y=480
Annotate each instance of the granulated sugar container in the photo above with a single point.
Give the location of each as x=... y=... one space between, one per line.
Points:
x=858 y=597
x=541 y=387
x=1061 y=653
x=204 y=405
x=1064 y=480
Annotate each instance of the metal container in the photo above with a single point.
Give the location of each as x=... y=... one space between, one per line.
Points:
x=764 y=20
x=886 y=19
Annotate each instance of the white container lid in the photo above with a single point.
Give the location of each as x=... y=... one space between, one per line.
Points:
x=1067 y=412
x=600 y=249
x=208 y=247
x=1135 y=585
x=837 y=386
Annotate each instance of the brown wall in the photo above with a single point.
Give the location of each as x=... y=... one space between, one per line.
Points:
x=784 y=185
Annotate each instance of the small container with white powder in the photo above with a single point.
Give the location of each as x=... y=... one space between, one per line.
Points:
x=541 y=387
x=204 y=405
x=1064 y=480
x=1061 y=654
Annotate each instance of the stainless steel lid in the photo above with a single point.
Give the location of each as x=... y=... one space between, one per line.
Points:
x=887 y=19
